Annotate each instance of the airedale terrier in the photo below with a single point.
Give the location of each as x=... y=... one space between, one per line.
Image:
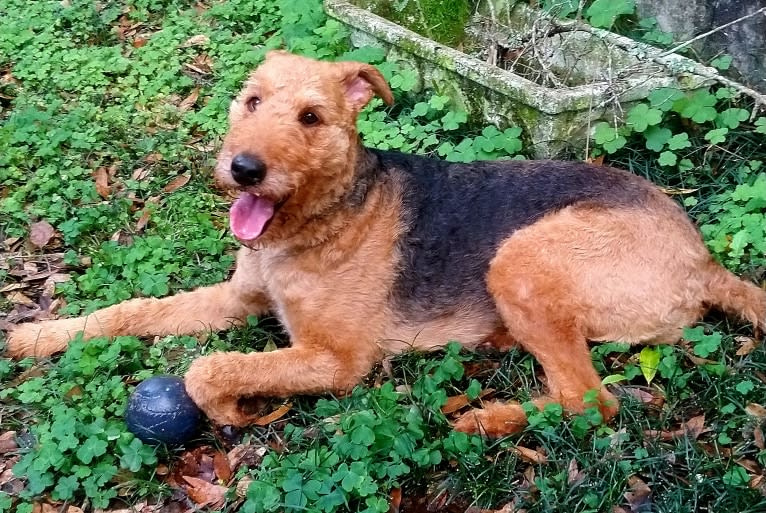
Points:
x=362 y=253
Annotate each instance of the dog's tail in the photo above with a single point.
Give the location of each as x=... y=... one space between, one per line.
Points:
x=736 y=296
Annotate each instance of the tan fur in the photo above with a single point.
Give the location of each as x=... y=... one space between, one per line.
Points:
x=583 y=273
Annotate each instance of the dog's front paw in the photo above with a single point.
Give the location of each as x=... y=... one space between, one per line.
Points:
x=27 y=340
x=494 y=420
x=210 y=383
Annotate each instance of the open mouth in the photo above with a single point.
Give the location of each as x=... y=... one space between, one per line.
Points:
x=251 y=214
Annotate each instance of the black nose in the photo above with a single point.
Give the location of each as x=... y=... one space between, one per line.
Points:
x=247 y=169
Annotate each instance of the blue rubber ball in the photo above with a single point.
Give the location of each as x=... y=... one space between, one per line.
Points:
x=160 y=411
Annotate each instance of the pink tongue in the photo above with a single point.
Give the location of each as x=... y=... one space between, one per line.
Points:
x=249 y=215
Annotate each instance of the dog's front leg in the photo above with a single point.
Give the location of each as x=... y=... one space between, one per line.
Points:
x=217 y=382
x=209 y=308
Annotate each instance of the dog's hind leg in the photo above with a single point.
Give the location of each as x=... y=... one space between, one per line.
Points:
x=209 y=308
x=539 y=314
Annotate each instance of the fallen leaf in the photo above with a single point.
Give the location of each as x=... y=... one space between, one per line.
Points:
x=758 y=438
x=101 y=177
x=455 y=403
x=242 y=486
x=530 y=455
x=190 y=100
x=574 y=475
x=40 y=233
x=146 y=213
x=140 y=173
x=140 y=41
x=247 y=455
x=755 y=410
x=749 y=465
x=176 y=183
x=18 y=298
x=746 y=345
x=153 y=158
x=677 y=191
x=275 y=415
x=639 y=496
x=395 y=500
x=8 y=442
x=692 y=428
x=204 y=493
x=199 y=39
x=598 y=161
x=221 y=467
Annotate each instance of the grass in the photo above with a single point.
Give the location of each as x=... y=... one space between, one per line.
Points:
x=111 y=114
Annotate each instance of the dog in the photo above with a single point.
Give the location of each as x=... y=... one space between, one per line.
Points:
x=361 y=253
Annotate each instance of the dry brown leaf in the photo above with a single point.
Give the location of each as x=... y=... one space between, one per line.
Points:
x=749 y=465
x=242 y=486
x=101 y=177
x=153 y=158
x=40 y=233
x=140 y=41
x=574 y=475
x=755 y=410
x=8 y=442
x=146 y=213
x=531 y=455
x=639 y=496
x=246 y=454
x=677 y=191
x=18 y=298
x=758 y=438
x=140 y=173
x=190 y=100
x=455 y=403
x=221 y=467
x=746 y=345
x=598 y=161
x=176 y=183
x=14 y=286
x=693 y=428
x=204 y=493
x=395 y=501
x=275 y=415
x=199 y=39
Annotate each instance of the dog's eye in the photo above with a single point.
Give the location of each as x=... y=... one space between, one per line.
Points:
x=309 y=118
x=252 y=103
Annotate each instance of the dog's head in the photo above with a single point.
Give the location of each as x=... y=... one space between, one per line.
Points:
x=292 y=143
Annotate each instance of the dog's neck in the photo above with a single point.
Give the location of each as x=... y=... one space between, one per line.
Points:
x=330 y=222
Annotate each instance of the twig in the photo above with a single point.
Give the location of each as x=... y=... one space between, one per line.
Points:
x=710 y=32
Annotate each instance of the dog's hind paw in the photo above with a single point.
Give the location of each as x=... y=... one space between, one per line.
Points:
x=494 y=420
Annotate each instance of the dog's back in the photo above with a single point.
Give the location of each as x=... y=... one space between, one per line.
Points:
x=455 y=217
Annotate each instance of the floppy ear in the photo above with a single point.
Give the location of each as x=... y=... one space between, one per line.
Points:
x=362 y=81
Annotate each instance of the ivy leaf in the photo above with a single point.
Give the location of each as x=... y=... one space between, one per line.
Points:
x=667 y=158
x=679 y=141
x=760 y=125
x=656 y=138
x=723 y=62
x=699 y=107
x=731 y=118
x=92 y=447
x=649 y=361
x=664 y=97
x=603 y=13
x=642 y=116
x=65 y=488
x=745 y=387
x=717 y=135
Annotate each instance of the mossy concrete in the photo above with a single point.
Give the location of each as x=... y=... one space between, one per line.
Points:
x=554 y=119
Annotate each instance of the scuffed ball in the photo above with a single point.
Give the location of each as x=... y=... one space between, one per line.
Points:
x=160 y=411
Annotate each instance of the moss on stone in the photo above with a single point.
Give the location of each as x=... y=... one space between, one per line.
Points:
x=441 y=20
